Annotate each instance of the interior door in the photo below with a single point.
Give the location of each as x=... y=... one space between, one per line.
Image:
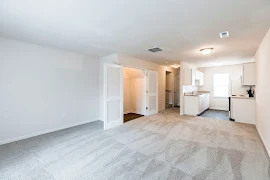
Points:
x=113 y=95
x=152 y=92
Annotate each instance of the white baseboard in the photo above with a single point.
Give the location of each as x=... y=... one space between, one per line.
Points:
x=135 y=112
x=44 y=132
x=218 y=108
x=267 y=150
x=126 y=112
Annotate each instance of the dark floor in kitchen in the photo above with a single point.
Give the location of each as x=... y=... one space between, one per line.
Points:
x=131 y=116
x=216 y=114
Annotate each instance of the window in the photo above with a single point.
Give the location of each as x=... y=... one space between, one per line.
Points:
x=221 y=85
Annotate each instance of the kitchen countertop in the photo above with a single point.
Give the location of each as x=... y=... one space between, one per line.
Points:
x=197 y=93
x=242 y=97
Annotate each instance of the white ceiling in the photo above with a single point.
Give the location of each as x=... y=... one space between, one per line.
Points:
x=180 y=27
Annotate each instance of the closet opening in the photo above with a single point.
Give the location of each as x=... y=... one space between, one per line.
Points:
x=134 y=93
x=169 y=90
x=177 y=88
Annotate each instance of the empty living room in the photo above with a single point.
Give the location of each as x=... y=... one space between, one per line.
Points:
x=134 y=90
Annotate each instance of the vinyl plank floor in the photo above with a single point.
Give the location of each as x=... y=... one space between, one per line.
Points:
x=216 y=114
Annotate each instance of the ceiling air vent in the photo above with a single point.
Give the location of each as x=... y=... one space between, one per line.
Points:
x=154 y=50
x=224 y=34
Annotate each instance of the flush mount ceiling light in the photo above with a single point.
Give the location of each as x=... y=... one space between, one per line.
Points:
x=176 y=66
x=206 y=51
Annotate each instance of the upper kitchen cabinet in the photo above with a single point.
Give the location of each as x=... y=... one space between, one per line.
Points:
x=200 y=78
x=248 y=74
x=193 y=77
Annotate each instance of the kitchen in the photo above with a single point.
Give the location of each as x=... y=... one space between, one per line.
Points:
x=221 y=92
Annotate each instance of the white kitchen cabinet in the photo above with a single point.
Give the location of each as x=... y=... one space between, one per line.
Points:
x=194 y=105
x=248 y=74
x=199 y=78
x=191 y=105
x=193 y=77
x=243 y=110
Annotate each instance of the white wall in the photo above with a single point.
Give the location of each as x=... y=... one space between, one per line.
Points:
x=127 y=96
x=262 y=58
x=134 y=91
x=235 y=73
x=183 y=88
x=43 y=89
x=134 y=62
x=139 y=96
x=111 y=59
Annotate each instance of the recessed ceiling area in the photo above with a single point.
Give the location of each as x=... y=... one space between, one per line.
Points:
x=179 y=27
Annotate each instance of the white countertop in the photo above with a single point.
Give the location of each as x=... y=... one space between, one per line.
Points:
x=242 y=97
x=197 y=93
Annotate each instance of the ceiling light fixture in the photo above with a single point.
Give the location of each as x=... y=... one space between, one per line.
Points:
x=206 y=51
x=176 y=66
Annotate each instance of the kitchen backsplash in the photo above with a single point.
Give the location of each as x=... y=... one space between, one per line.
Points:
x=187 y=89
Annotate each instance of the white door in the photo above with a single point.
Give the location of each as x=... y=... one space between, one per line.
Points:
x=113 y=95
x=152 y=92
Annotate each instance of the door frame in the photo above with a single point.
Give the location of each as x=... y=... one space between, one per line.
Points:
x=172 y=85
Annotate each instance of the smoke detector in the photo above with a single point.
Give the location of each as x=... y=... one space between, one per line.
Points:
x=154 y=50
x=224 y=34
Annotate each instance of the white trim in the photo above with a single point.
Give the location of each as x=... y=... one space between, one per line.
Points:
x=126 y=112
x=135 y=112
x=218 y=108
x=45 y=132
x=267 y=150
x=134 y=67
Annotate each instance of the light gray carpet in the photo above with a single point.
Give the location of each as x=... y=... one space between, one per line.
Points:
x=163 y=146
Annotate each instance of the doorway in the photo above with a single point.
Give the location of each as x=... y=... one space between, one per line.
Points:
x=134 y=93
x=146 y=84
x=169 y=90
x=177 y=88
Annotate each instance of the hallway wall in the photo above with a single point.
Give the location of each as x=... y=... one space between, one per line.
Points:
x=262 y=58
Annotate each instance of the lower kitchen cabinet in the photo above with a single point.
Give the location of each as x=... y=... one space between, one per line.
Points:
x=194 y=105
x=243 y=110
